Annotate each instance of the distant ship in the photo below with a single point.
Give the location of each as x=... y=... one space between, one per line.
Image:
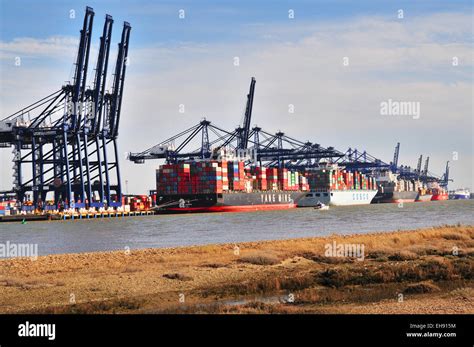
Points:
x=393 y=189
x=460 y=194
x=439 y=193
x=424 y=194
x=332 y=185
x=337 y=197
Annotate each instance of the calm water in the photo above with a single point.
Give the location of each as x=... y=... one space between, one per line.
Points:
x=193 y=229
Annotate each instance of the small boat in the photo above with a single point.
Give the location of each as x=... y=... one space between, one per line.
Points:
x=320 y=206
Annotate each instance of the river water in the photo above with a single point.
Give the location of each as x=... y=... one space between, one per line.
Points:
x=55 y=237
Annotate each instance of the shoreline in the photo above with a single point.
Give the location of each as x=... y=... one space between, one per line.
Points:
x=411 y=271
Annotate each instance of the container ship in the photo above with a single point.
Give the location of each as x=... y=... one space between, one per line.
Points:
x=460 y=194
x=439 y=194
x=392 y=189
x=226 y=186
x=424 y=194
x=333 y=186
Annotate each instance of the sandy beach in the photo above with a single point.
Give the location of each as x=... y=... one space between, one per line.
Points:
x=419 y=271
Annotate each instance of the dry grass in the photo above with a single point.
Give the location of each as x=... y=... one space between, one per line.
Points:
x=455 y=236
x=403 y=255
x=151 y=280
x=177 y=276
x=213 y=265
x=319 y=258
x=92 y=307
x=421 y=288
x=464 y=294
x=259 y=258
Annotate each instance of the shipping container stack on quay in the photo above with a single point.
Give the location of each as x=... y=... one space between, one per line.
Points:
x=6 y=207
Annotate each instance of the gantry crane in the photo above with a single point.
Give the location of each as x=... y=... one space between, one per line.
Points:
x=60 y=143
x=274 y=149
x=271 y=149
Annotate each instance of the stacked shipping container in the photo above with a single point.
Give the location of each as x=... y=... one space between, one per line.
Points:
x=272 y=178
x=303 y=183
x=236 y=175
x=339 y=180
x=5 y=208
x=208 y=177
x=259 y=176
x=282 y=179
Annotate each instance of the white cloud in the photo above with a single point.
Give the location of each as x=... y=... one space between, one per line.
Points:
x=55 y=47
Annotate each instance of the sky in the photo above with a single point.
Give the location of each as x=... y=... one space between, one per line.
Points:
x=334 y=61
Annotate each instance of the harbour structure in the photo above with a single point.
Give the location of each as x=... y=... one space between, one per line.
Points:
x=275 y=171
x=64 y=145
x=65 y=151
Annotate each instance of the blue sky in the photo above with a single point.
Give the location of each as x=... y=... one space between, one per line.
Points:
x=207 y=21
x=295 y=61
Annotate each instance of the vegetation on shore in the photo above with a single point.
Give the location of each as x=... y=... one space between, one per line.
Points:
x=420 y=271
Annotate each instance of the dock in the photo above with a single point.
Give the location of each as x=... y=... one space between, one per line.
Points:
x=72 y=216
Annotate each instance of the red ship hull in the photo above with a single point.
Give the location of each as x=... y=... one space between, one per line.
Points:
x=243 y=208
x=438 y=197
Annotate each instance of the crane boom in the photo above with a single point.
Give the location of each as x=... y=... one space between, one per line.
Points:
x=248 y=116
x=395 y=157
x=445 y=178
x=115 y=98
x=101 y=74
x=80 y=75
x=418 y=166
x=425 y=170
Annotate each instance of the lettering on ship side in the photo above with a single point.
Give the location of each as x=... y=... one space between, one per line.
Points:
x=360 y=196
x=273 y=198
